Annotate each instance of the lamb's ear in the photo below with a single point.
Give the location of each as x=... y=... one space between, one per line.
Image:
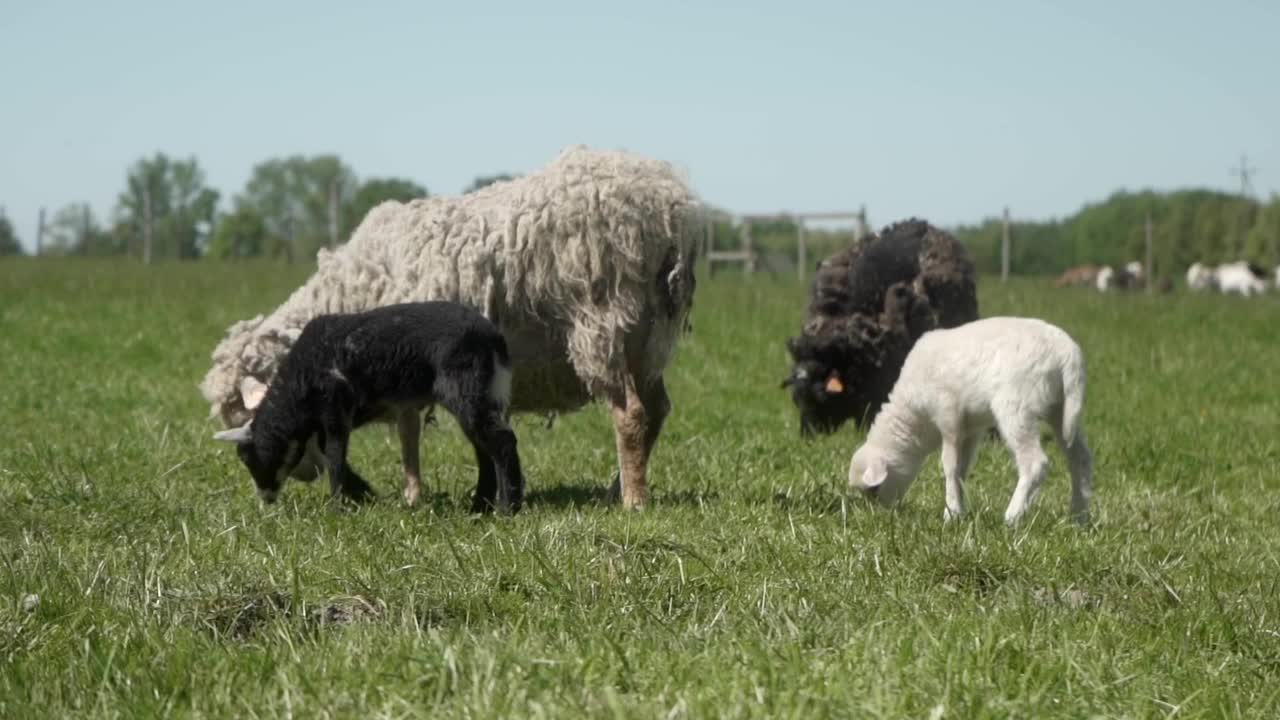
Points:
x=876 y=473
x=252 y=391
x=234 y=435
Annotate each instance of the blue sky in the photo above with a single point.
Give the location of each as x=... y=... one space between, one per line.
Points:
x=944 y=110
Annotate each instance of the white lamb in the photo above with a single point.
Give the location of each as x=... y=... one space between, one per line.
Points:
x=1006 y=372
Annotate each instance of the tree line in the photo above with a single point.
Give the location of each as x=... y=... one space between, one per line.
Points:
x=290 y=208
x=293 y=206
x=1187 y=226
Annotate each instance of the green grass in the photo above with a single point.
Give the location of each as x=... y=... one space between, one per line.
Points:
x=752 y=586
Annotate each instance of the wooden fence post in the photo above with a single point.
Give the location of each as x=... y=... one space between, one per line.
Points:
x=801 y=255
x=40 y=234
x=1151 y=285
x=146 y=224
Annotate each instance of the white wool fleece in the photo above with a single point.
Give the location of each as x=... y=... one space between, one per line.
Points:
x=586 y=265
x=1007 y=372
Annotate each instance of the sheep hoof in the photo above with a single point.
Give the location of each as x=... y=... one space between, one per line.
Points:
x=411 y=496
x=631 y=501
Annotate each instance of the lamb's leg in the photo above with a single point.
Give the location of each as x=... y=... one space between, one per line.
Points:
x=1080 y=462
x=1033 y=465
x=343 y=480
x=409 y=425
x=637 y=421
x=486 y=485
x=492 y=438
x=957 y=455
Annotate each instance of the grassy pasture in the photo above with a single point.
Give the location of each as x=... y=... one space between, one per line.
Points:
x=753 y=586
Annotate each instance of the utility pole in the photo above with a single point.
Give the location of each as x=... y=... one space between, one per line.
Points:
x=1151 y=265
x=1244 y=172
x=1004 y=248
x=84 y=231
x=146 y=224
x=40 y=234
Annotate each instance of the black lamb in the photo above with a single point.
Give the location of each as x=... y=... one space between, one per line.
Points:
x=869 y=304
x=386 y=364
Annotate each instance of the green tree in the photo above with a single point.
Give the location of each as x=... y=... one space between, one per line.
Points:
x=73 y=230
x=375 y=191
x=9 y=244
x=237 y=235
x=487 y=180
x=1263 y=241
x=182 y=207
x=292 y=196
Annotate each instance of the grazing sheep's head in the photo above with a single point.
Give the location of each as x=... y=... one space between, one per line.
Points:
x=826 y=378
x=269 y=461
x=872 y=474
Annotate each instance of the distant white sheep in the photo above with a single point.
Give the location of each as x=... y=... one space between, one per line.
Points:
x=1200 y=277
x=1239 y=278
x=586 y=266
x=1235 y=278
x=1006 y=372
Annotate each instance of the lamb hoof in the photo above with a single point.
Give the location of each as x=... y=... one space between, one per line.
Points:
x=949 y=517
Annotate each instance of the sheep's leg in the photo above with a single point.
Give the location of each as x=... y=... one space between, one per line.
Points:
x=343 y=480
x=493 y=440
x=957 y=454
x=486 y=485
x=637 y=422
x=1033 y=465
x=1080 y=462
x=409 y=425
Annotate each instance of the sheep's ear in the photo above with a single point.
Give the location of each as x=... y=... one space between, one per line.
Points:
x=876 y=473
x=238 y=435
x=252 y=391
x=834 y=385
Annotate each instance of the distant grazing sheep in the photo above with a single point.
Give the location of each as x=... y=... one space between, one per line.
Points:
x=586 y=266
x=388 y=364
x=1238 y=278
x=1081 y=276
x=1129 y=277
x=869 y=304
x=1003 y=372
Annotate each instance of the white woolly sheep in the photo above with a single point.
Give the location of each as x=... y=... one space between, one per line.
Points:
x=956 y=384
x=1240 y=278
x=585 y=265
x=1200 y=277
x=1235 y=278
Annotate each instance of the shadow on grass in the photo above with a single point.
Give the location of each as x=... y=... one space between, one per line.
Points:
x=573 y=496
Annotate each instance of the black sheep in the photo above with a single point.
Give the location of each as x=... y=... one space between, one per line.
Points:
x=869 y=304
x=387 y=364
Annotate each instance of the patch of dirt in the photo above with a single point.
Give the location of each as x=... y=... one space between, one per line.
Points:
x=1073 y=598
x=348 y=610
x=239 y=617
